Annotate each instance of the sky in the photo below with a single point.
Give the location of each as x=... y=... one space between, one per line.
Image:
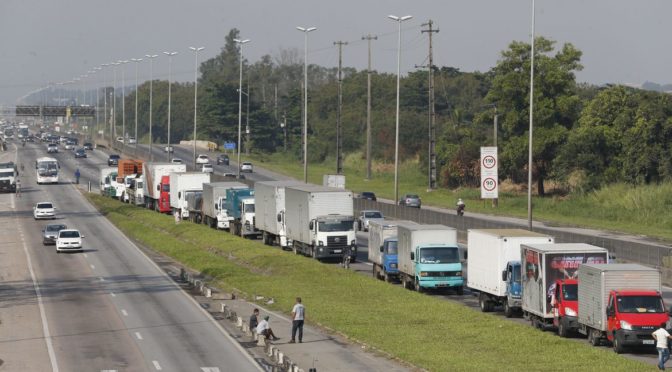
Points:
x=50 y=41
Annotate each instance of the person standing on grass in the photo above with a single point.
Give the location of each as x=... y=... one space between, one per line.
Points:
x=254 y=319
x=661 y=335
x=298 y=316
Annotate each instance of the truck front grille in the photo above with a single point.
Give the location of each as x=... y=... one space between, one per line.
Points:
x=444 y=273
x=339 y=241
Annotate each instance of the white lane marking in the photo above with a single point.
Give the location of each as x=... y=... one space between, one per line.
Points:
x=86 y=255
x=112 y=294
x=138 y=335
x=210 y=369
x=93 y=267
x=156 y=365
x=108 y=370
x=45 y=326
x=124 y=312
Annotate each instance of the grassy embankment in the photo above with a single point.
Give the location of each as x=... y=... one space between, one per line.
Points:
x=427 y=332
x=641 y=210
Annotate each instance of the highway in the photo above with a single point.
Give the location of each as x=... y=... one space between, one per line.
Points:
x=108 y=308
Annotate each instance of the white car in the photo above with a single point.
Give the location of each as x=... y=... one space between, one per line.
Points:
x=207 y=168
x=176 y=161
x=44 y=210
x=131 y=140
x=168 y=149
x=69 y=240
x=246 y=167
x=202 y=159
x=120 y=139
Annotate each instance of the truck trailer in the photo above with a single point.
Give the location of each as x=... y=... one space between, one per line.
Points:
x=320 y=221
x=620 y=303
x=269 y=205
x=429 y=258
x=181 y=185
x=383 y=248
x=542 y=265
x=494 y=266
x=157 y=184
x=214 y=195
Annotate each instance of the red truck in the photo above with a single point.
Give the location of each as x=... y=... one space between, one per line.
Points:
x=565 y=306
x=156 y=189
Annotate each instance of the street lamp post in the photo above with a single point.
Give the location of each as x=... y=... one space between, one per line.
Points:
x=98 y=69
x=105 y=100
x=195 y=50
x=151 y=92
x=123 y=102
x=396 y=136
x=114 y=104
x=170 y=62
x=305 y=31
x=240 y=95
x=137 y=62
x=529 y=155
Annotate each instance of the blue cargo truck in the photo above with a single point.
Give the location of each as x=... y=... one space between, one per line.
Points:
x=429 y=258
x=383 y=248
x=239 y=206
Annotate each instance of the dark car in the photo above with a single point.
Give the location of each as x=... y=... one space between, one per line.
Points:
x=80 y=153
x=50 y=233
x=410 y=200
x=368 y=195
x=113 y=159
x=88 y=146
x=222 y=159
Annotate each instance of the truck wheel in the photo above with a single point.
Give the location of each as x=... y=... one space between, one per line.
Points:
x=296 y=251
x=484 y=303
x=418 y=287
x=508 y=311
x=594 y=338
x=460 y=290
x=562 y=329
x=618 y=348
x=386 y=277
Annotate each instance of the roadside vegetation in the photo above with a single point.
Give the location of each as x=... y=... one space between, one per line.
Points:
x=425 y=331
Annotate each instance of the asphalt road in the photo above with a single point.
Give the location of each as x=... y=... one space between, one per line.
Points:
x=108 y=308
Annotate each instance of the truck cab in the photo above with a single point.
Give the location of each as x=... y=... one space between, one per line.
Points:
x=332 y=235
x=222 y=216
x=632 y=315
x=437 y=266
x=8 y=175
x=390 y=258
x=511 y=277
x=164 y=195
x=565 y=305
x=239 y=207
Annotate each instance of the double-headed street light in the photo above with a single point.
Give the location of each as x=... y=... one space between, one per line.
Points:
x=240 y=95
x=305 y=31
x=396 y=136
x=151 y=92
x=137 y=62
x=195 y=50
x=170 y=62
x=123 y=101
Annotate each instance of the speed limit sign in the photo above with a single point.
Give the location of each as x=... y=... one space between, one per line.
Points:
x=489 y=180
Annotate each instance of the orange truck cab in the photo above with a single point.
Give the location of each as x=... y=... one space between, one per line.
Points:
x=565 y=306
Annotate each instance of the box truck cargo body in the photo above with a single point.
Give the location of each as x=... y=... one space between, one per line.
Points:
x=181 y=185
x=383 y=248
x=156 y=189
x=320 y=221
x=269 y=202
x=214 y=196
x=494 y=265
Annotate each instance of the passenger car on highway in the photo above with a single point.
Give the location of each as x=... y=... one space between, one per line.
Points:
x=44 y=210
x=367 y=216
x=88 y=146
x=131 y=140
x=80 y=153
x=207 y=168
x=50 y=233
x=69 y=240
x=246 y=167
x=168 y=149
x=410 y=200
x=120 y=139
x=113 y=159
x=52 y=148
x=367 y=195
x=202 y=159
x=222 y=159
x=176 y=161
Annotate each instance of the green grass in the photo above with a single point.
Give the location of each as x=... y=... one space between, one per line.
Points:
x=427 y=332
x=642 y=210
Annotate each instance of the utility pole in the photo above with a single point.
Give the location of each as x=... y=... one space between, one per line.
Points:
x=247 y=119
x=339 y=136
x=368 y=38
x=432 y=113
x=284 y=129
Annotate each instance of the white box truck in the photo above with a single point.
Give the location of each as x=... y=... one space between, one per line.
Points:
x=214 y=196
x=494 y=265
x=334 y=180
x=269 y=202
x=106 y=180
x=156 y=188
x=383 y=248
x=429 y=257
x=181 y=184
x=620 y=303
x=320 y=221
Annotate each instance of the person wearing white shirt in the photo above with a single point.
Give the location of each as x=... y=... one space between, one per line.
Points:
x=661 y=336
x=298 y=316
x=264 y=329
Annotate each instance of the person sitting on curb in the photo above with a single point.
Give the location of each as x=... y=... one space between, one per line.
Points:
x=265 y=330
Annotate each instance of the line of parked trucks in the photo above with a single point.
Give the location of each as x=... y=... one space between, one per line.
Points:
x=568 y=287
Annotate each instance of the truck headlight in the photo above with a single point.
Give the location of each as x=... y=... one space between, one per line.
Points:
x=320 y=243
x=625 y=325
x=458 y=273
x=571 y=312
x=321 y=249
x=353 y=243
x=424 y=273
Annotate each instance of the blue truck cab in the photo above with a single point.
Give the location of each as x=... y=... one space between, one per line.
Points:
x=438 y=266
x=390 y=260
x=514 y=289
x=239 y=206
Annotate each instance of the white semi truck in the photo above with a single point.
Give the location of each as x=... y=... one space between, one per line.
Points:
x=269 y=201
x=214 y=196
x=156 y=190
x=320 y=221
x=181 y=185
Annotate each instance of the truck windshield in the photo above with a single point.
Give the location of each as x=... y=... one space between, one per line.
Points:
x=336 y=225
x=439 y=255
x=570 y=292
x=5 y=174
x=373 y=215
x=249 y=208
x=391 y=247
x=516 y=273
x=640 y=304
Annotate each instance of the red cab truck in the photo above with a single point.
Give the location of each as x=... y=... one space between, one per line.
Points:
x=156 y=188
x=620 y=303
x=565 y=306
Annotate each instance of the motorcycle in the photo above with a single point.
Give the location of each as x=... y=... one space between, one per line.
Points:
x=460 y=209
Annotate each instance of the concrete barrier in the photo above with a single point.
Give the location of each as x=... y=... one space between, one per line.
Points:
x=239 y=322
x=208 y=292
x=261 y=341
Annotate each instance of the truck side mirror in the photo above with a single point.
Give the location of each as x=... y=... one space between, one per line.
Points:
x=466 y=253
x=158 y=187
x=279 y=217
x=610 y=312
x=381 y=251
x=412 y=256
x=179 y=195
x=311 y=225
x=670 y=313
x=504 y=275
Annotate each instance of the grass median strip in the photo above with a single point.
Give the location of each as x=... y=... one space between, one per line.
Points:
x=425 y=331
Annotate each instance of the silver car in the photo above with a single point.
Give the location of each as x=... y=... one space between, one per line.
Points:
x=50 y=233
x=367 y=216
x=410 y=200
